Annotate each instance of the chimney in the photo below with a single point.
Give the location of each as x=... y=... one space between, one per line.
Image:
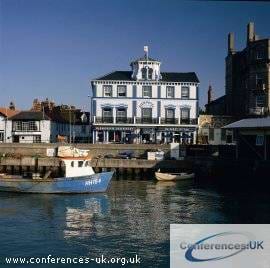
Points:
x=12 y=106
x=250 y=32
x=209 y=93
x=230 y=43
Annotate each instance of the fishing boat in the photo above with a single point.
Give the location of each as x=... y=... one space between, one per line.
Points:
x=79 y=178
x=173 y=176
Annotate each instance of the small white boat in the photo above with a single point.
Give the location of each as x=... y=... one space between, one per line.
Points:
x=173 y=176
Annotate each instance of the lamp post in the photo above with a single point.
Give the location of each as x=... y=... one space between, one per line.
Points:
x=70 y=124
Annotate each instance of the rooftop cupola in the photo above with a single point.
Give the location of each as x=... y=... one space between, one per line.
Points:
x=146 y=68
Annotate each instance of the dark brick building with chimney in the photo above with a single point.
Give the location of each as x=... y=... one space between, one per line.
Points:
x=247 y=82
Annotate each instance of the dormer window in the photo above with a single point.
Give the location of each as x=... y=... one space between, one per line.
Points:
x=144 y=73
x=150 y=73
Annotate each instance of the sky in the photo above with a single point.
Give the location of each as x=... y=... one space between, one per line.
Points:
x=53 y=48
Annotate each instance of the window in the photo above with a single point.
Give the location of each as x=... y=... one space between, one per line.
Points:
x=121 y=112
x=229 y=138
x=169 y=115
x=211 y=134
x=107 y=91
x=80 y=163
x=259 y=140
x=107 y=112
x=259 y=81
x=170 y=92
x=121 y=115
x=26 y=126
x=1 y=136
x=37 y=139
x=150 y=73
x=184 y=113
x=185 y=92
x=84 y=129
x=260 y=99
x=107 y=115
x=260 y=53
x=72 y=164
x=147 y=91
x=223 y=134
x=147 y=113
x=121 y=91
x=144 y=72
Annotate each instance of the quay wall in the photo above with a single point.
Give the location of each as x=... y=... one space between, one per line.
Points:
x=206 y=168
x=40 y=149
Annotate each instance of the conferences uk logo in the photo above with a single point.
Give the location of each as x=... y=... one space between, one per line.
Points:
x=219 y=246
x=232 y=248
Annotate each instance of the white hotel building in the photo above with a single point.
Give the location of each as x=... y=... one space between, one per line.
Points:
x=145 y=105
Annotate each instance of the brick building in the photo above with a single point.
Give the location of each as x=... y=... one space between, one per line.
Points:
x=247 y=85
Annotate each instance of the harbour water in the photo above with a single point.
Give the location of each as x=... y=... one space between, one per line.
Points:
x=133 y=217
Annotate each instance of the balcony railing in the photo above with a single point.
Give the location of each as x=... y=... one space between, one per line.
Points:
x=172 y=121
x=144 y=120
x=104 y=120
x=188 y=121
x=124 y=120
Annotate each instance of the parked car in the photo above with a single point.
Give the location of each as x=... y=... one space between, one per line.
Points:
x=126 y=155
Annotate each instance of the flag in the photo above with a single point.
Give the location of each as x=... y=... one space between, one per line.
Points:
x=145 y=48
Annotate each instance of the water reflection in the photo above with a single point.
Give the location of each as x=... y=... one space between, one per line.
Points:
x=80 y=221
x=132 y=218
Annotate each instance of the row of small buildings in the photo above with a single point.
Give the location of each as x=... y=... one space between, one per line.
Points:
x=44 y=123
x=147 y=105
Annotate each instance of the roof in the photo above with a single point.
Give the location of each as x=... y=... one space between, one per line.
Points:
x=251 y=123
x=217 y=100
x=65 y=116
x=30 y=115
x=166 y=77
x=8 y=112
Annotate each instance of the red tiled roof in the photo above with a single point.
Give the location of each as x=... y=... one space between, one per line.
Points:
x=8 y=112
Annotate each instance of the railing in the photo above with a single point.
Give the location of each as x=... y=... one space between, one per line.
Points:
x=188 y=121
x=124 y=120
x=173 y=121
x=104 y=120
x=144 y=120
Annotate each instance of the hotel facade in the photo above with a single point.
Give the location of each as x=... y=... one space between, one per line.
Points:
x=145 y=105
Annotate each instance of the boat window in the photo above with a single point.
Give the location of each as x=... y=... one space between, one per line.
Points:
x=80 y=163
x=86 y=164
x=72 y=163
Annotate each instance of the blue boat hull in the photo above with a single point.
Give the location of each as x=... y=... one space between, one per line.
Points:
x=95 y=183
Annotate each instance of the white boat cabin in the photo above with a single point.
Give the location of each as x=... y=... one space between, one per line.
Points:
x=76 y=167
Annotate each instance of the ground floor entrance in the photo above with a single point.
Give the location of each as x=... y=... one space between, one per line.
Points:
x=145 y=135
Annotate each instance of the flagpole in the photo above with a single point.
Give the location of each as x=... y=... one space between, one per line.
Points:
x=146 y=54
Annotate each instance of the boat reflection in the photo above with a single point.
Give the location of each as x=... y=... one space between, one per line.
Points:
x=79 y=221
x=164 y=184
